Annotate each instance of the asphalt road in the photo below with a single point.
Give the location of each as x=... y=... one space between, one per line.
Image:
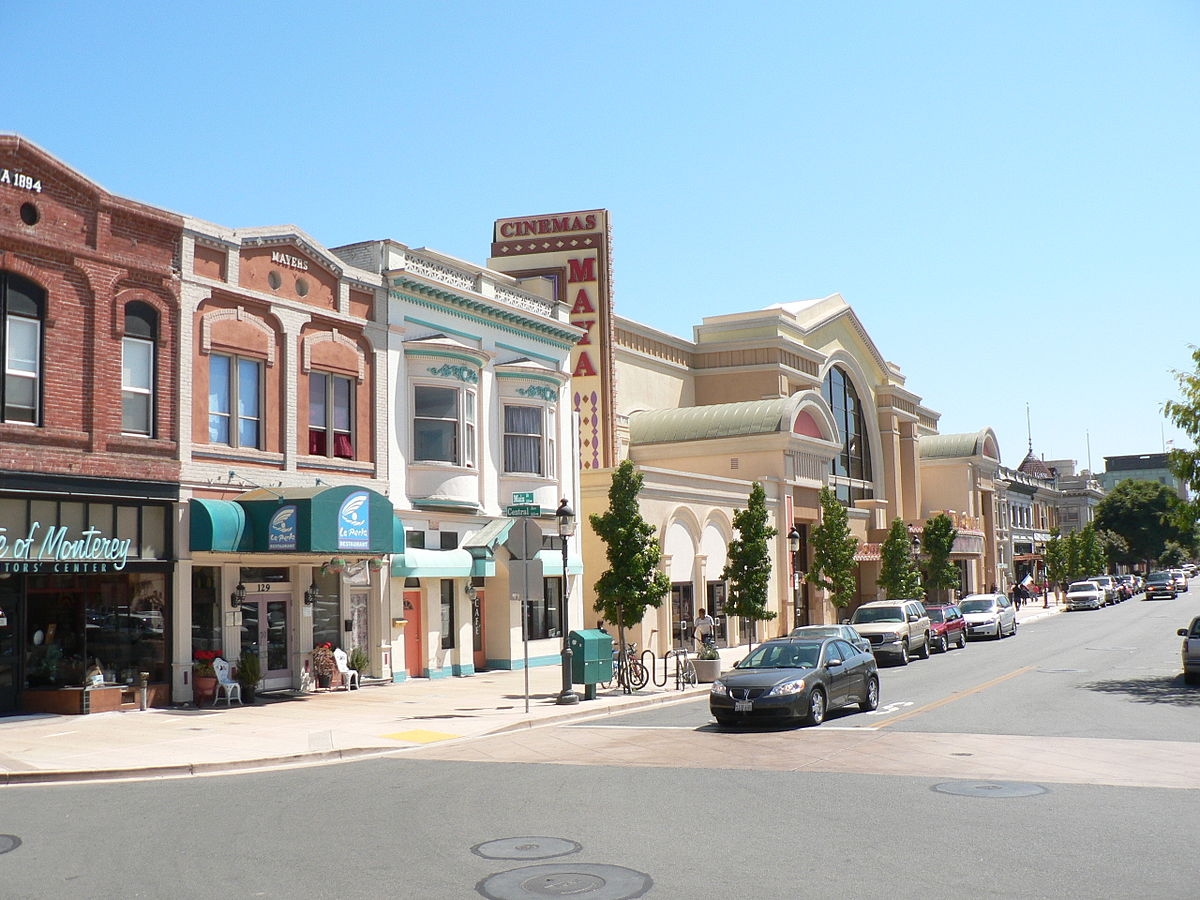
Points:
x=672 y=807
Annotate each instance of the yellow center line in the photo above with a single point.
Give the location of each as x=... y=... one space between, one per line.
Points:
x=955 y=696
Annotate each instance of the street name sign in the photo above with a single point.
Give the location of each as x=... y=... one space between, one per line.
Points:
x=522 y=497
x=522 y=510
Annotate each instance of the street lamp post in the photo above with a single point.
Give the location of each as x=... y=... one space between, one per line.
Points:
x=793 y=542
x=566 y=528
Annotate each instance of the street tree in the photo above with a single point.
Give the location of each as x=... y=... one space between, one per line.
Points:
x=833 y=552
x=898 y=573
x=1185 y=413
x=937 y=543
x=748 y=562
x=1056 y=564
x=1173 y=556
x=1074 y=566
x=1147 y=515
x=632 y=582
x=1091 y=555
x=1114 y=547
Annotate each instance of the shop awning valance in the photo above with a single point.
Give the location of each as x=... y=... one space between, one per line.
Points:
x=419 y=563
x=344 y=520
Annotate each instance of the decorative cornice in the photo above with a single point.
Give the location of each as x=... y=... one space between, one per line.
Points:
x=223 y=315
x=331 y=337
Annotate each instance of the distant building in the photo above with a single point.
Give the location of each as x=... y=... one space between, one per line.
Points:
x=1141 y=467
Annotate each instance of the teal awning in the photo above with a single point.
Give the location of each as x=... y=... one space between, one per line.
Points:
x=552 y=563
x=418 y=563
x=344 y=520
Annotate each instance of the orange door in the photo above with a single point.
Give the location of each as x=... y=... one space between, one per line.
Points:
x=414 y=634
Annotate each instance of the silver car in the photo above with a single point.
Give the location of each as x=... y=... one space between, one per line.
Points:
x=988 y=615
x=847 y=633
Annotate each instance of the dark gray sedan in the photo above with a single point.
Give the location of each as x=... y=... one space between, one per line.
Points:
x=795 y=679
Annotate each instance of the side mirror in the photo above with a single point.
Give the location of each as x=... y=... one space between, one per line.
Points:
x=833 y=662
x=845 y=621
x=1182 y=632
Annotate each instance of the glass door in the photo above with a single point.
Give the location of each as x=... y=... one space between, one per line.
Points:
x=9 y=608
x=266 y=628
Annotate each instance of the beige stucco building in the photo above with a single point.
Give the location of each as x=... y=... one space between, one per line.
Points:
x=794 y=397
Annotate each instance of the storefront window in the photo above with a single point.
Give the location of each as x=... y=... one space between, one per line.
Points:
x=115 y=622
x=327 y=617
x=206 y=609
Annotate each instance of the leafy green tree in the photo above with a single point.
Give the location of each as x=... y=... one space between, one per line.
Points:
x=898 y=575
x=937 y=542
x=632 y=582
x=1147 y=515
x=1091 y=556
x=833 y=552
x=1074 y=565
x=1056 y=563
x=748 y=561
x=1114 y=547
x=1173 y=556
x=1185 y=413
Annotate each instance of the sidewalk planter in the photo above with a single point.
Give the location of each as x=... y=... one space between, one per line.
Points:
x=204 y=688
x=707 y=670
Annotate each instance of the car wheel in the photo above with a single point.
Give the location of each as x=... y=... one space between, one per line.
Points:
x=923 y=653
x=962 y=640
x=942 y=645
x=999 y=631
x=816 y=707
x=871 y=701
x=903 y=660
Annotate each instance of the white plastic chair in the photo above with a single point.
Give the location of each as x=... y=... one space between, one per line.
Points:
x=349 y=675
x=226 y=686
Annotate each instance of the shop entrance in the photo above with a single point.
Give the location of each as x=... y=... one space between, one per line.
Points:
x=266 y=630
x=414 y=644
x=9 y=629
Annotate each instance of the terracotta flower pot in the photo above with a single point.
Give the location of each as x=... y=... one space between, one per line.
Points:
x=204 y=688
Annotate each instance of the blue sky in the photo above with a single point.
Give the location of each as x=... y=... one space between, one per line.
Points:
x=1006 y=193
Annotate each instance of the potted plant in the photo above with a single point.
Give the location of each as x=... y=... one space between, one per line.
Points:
x=204 y=679
x=323 y=664
x=707 y=663
x=249 y=673
x=359 y=661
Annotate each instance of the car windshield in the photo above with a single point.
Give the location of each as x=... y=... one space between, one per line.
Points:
x=1083 y=587
x=1158 y=578
x=783 y=656
x=976 y=606
x=935 y=615
x=877 y=614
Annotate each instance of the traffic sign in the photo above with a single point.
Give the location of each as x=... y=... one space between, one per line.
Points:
x=522 y=497
x=524 y=539
x=522 y=510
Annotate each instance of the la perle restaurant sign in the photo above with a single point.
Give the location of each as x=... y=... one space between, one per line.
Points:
x=56 y=551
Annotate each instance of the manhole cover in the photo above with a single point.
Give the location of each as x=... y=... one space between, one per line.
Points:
x=998 y=789
x=595 y=882
x=526 y=848
x=9 y=842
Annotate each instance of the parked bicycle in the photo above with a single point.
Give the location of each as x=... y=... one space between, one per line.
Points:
x=629 y=672
x=685 y=671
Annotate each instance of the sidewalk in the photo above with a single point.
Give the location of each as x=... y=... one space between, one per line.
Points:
x=291 y=728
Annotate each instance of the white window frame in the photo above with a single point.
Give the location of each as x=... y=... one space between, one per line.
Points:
x=464 y=431
x=545 y=440
x=328 y=424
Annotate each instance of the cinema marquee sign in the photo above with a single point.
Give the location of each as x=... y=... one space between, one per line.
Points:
x=56 y=550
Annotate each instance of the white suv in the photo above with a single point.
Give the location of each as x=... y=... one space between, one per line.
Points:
x=895 y=628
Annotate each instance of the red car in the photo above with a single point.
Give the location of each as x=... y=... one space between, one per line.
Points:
x=946 y=626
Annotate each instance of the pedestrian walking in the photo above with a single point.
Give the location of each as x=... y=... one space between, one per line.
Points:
x=704 y=628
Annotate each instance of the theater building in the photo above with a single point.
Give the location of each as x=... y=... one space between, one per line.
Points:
x=89 y=439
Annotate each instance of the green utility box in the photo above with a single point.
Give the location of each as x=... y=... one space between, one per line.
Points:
x=591 y=656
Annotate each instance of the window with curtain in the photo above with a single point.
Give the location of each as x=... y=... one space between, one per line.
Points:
x=22 y=309
x=137 y=369
x=234 y=401
x=330 y=415
x=443 y=425
x=524 y=440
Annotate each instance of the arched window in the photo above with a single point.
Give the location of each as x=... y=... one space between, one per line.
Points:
x=22 y=309
x=137 y=369
x=851 y=469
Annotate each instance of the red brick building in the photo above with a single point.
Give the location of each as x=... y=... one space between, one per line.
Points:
x=89 y=436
